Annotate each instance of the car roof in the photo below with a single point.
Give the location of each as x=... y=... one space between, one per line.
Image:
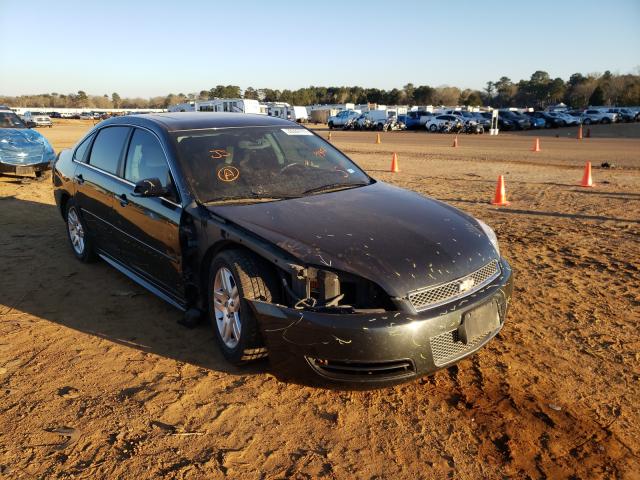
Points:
x=177 y=121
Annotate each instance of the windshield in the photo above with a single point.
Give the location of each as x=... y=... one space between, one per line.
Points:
x=10 y=120
x=266 y=163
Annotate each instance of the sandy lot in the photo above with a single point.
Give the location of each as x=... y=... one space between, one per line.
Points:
x=99 y=381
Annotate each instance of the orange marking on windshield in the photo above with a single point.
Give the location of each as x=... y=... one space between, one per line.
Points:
x=228 y=174
x=219 y=153
x=321 y=152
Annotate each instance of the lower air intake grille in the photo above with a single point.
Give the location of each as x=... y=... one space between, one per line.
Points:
x=348 y=370
x=446 y=347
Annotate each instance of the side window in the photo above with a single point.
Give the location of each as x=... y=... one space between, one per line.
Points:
x=81 y=152
x=145 y=158
x=107 y=148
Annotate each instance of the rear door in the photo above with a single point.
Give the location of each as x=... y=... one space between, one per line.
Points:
x=96 y=181
x=148 y=227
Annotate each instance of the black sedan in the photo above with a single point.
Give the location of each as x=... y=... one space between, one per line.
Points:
x=286 y=245
x=550 y=120
x=517 y=120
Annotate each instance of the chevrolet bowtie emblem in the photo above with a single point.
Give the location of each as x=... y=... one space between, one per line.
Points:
x=466 y=285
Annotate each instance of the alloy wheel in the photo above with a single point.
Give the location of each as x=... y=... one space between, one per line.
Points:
x=226 y=306
x=76 y=232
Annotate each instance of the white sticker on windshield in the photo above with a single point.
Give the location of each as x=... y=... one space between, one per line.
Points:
x=350 y=170
x=296 y=131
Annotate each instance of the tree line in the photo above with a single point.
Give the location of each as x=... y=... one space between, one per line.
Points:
x=539 y=91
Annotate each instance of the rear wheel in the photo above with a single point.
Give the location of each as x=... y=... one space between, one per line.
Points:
x=81 y=243
x=330 y=125
x=235 y=277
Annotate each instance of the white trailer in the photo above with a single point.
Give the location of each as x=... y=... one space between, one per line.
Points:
x=236 y=105
x=287 y=112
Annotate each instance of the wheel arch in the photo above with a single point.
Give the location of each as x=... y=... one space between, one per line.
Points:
x=64 y=200
x=216 y=249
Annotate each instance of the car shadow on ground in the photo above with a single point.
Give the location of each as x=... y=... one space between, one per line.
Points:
x=43 y=279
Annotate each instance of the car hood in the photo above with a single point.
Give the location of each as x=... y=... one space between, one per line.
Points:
x=17 y=143
x=394 y=237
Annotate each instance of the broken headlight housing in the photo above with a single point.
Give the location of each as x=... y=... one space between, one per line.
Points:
x=317 y=288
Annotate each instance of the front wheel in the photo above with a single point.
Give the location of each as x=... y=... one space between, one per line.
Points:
x=81 y=243
x=587 y=121
x=433 y=128
x=235 y=277
x=330 y=125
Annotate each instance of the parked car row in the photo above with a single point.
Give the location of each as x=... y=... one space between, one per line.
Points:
x=515 y=120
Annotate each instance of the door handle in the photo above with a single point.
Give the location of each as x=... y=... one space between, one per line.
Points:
x=79 y=179
x=123 y=200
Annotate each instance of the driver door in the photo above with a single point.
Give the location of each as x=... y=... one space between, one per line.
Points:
x=148 y=227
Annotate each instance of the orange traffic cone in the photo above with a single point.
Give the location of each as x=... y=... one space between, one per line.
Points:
x=580 y=132
x=378 y=141
x=501 y=194
x=329 y=137
x=588 y=135
x=394 y=164
x=587 y=181
x=536 y=146
x=455 y=142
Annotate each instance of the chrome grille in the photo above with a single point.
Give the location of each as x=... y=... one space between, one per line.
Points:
x=432 y=296
x=446 y=347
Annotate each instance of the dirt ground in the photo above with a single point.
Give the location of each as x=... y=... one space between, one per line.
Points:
x=97 y=380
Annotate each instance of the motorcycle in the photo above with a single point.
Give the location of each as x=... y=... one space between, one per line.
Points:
x=392 y=124
x=350 y=124
x=472 y=128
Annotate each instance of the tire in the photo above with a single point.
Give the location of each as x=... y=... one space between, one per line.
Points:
x=380 y=127
x=83 y=249
x=251 y=278
x=330 y=125
x=587 y=121
x=606 y=121
x=433 y=128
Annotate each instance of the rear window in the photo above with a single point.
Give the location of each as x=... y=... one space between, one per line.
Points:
x=108 y=147
x=81 y=151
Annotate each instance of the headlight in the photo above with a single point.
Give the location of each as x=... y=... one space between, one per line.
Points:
x=49 y=154
x=490 y=234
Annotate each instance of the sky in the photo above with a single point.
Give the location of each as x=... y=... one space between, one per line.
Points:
x=149 y=48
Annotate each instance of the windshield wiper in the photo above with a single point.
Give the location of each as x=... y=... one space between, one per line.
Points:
x=252 y=196
x=334 y=186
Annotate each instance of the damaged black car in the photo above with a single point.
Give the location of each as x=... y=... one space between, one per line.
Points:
x=286 y=246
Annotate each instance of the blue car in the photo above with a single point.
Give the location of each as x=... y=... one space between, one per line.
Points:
x=537 y=122
x=22 y=150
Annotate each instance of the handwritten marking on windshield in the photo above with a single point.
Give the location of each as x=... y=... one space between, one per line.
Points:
x=218 y=153
x=228 y=174
x=320 y=152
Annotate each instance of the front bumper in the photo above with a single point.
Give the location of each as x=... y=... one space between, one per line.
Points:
x=24 y=169
x=375 y=348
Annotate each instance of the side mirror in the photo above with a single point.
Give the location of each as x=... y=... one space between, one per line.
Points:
x=150 y=187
